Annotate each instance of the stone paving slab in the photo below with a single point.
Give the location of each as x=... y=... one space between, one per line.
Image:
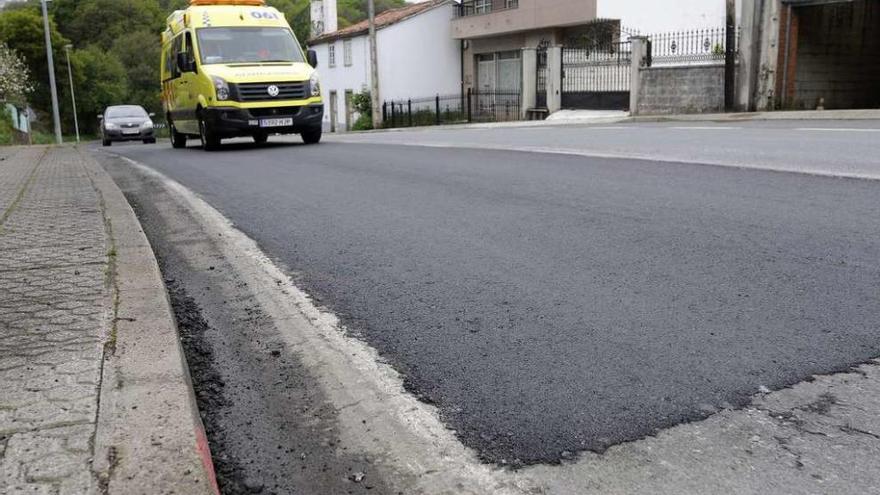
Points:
x=54 y=319
x=58 y=294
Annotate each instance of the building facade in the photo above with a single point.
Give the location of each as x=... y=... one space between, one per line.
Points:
x=493 y=34
x=417 y=57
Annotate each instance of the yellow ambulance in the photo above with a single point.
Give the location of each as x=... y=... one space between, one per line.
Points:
x=234 y=68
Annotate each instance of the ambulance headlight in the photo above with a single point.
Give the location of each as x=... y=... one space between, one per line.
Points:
x=221 y=87
x=315 y=84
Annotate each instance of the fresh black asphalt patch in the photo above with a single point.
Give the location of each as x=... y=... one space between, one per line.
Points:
x=554 y=304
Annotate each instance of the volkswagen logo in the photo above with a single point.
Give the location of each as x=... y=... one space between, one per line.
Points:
x=273 y=91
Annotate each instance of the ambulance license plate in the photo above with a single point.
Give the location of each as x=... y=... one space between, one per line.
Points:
x=276 y=122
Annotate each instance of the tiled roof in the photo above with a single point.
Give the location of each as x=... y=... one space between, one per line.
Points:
x=385 y=19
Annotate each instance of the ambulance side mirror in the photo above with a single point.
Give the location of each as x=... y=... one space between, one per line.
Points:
x=312 y=55
x=184 y=63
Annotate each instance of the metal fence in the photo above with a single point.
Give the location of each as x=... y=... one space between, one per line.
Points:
x=541 y=82
x=699 y=46
x=597 y=76
x=600 y=68
x=472 y=106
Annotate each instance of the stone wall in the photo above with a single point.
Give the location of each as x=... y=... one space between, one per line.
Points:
x=681 y=89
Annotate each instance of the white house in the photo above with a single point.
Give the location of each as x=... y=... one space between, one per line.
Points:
x=417 y=57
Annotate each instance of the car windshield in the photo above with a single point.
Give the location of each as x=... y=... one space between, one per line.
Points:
x=126 y=112
x=248 y=45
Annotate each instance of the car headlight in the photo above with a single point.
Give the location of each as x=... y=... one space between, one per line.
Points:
x=315 y=84
x=147 y=125
x=221 y=87
x=109 y=125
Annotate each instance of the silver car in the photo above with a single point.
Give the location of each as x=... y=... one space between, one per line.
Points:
x=126 y=123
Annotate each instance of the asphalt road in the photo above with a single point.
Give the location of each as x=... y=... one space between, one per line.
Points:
x=550 y=304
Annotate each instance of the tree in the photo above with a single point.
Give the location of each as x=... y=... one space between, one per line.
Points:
x=15 y=77
x=102 y=22
x=140 y=53
x=22 y=28
x=102 y=80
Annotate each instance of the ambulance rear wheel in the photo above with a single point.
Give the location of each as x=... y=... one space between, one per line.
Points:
x=178 y=140
x=210 y=141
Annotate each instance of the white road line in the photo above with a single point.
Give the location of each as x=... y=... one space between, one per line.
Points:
x=838 y=129
x=620 y=155
x=707 y=128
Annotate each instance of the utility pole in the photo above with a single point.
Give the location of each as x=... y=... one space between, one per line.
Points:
x=51 y=63
x=67 y=49
x=374 y=66
x=730 y=58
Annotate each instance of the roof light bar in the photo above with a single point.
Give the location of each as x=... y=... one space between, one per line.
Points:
x=255 y=3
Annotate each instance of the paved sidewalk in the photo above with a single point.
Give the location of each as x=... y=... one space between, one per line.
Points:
x=58 y=297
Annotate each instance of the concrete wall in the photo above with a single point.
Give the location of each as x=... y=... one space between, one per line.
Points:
x=676 y=90
x=530 y=15
x=417 y=57
x=838 y=56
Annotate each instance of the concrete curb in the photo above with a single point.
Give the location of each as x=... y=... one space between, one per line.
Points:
x=150 y=438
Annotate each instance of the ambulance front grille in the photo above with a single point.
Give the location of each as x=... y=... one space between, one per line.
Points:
x=260 y=91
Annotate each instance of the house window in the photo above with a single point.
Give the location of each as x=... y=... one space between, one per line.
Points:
x=346 y=48
x=483 y=6
x=331 y=56
x=511 y=4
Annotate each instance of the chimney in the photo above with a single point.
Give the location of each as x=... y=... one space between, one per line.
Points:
x=323 y=17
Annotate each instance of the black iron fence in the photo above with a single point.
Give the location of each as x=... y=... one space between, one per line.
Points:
x=541 y=82
x=472 y=106
x=599 y=68
x=699 y=46
x=597 y=76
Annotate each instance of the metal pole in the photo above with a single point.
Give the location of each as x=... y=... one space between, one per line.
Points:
x=374 y=64
x=72 y=93
x=730 y=58
x=51 y=64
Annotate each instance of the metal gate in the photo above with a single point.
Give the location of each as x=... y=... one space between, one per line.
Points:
x=596 y=76
x=541 y=84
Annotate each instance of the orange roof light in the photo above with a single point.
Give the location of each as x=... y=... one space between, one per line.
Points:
x=255 y=3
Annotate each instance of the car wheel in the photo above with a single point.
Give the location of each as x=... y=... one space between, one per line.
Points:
x=150 y=141
x=178 y=140
x=312 y=136
x=210 y=141
x=261 y=138
x=107 y=142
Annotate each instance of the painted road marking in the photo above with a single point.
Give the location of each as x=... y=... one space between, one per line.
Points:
x=712 y=128
x=838 y=129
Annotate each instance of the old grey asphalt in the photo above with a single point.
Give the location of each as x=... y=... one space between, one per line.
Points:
x=550 y=304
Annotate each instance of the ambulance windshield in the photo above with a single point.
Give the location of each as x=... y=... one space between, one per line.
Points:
x=248 y=45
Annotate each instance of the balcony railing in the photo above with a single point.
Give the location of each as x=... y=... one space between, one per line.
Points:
x=469 y=8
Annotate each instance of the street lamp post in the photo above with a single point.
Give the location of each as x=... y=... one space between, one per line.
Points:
x=51 y=63
x=374 y=65
x=67 y=49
